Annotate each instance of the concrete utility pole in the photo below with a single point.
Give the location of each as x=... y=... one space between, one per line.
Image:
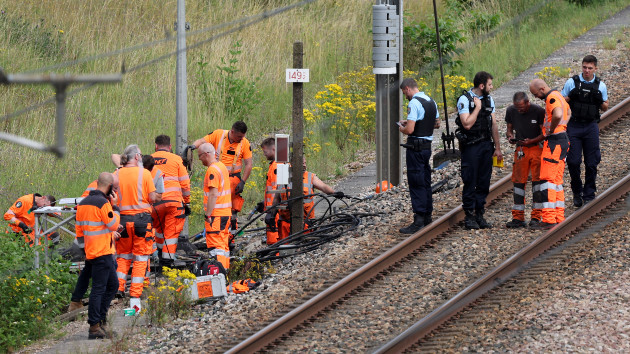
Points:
x=181 y=88
x=297 y=206
x=181 y=91
x=387 y=54
x=60 y=83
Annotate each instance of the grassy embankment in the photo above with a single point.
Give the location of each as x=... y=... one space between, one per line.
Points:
x=105 y=119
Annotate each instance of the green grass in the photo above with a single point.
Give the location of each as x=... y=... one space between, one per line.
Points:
x=521 y=45
x=103 y=120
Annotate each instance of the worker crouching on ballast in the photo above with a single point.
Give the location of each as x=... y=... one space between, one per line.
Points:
x=310 y=183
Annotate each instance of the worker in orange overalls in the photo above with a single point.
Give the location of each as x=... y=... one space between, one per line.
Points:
x=137 y=193
x=268 y=147
x=310 y=182
x=22 y=219
x=171 y=212
x=234 y=151
x=527 y=120
x=217 y=204
x=97 y=223
x=83 y=281
x=554 y=153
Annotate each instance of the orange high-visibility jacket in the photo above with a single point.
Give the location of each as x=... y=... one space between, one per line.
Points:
x=96 y=221
x=272 y=178
x=554 y=99
x=22 y=211
x=90 y=187
x=218 y=177
x=176 y=180
x=308 y=201
x=135 y=185
x=231 y=154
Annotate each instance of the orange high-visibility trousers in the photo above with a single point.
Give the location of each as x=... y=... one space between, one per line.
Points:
x=134 y=246
x=551 y=177
x=526 y=160
x=169 y=221
x=217 y=238
x=272 y=236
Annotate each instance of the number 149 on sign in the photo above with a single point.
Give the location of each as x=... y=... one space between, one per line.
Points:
x=297 y=75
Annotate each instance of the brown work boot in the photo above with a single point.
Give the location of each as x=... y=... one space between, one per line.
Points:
x=97 y=332
x=75 y=305
x=109 y=331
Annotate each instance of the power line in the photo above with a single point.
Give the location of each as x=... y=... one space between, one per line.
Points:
x=256 y=19
x=168 y=38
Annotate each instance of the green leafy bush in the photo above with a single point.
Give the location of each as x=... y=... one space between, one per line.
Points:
x=169 y=299
x=30 y=297
x=420 y=45
x=224 y=90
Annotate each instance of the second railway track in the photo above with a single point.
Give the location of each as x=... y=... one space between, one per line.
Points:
x=385 y=297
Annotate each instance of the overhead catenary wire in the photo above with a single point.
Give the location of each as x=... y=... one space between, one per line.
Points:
x=254 y=20
x=263 y=15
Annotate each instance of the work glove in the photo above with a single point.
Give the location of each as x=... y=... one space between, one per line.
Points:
x=187 y=209
x=191 y=147
x=338 y=195
x=270 y=220
x=239 y=187
x=25 y=228
x=260 y=207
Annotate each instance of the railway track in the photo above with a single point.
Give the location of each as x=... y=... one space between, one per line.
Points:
x=366 y=294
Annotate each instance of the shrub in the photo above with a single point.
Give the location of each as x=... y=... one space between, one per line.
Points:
x=249 y=268
x=30 y=297
x=224 y=90
x=420 y=45
x=169 y=298
x=550 y=74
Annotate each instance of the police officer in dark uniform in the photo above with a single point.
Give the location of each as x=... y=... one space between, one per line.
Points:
x=422 y=114
x=478 y=137
x=586 y=95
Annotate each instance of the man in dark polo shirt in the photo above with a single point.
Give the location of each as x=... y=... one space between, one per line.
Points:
x=527 y=120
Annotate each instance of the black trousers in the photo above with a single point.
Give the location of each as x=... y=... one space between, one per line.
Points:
x=476 y=173
x=419 y=178
x=104 y=286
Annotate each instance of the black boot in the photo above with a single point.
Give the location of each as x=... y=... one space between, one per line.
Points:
x=427 y=219
x=480 y=220
x=470 y=222
x=418 y=223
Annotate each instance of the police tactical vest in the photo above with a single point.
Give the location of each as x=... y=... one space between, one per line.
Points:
x=585 y=100
x=425 y=126
x=482 y=128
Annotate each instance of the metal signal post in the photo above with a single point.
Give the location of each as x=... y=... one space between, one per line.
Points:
x=60 y=83
x=387 y=54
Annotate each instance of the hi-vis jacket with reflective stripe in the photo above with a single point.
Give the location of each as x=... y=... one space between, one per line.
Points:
x=95 y=222
x=90 y=187
x=272 y=179
x=218 y=177
x=135 y=185
x=552 y=100
x=176 y=180
x=22 y=211
x=230 y=154
x=308 y=201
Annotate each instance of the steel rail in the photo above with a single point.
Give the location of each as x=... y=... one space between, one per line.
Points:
x=507 y=269
x=338 y=291
x=517 y=262
x=356 y=279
